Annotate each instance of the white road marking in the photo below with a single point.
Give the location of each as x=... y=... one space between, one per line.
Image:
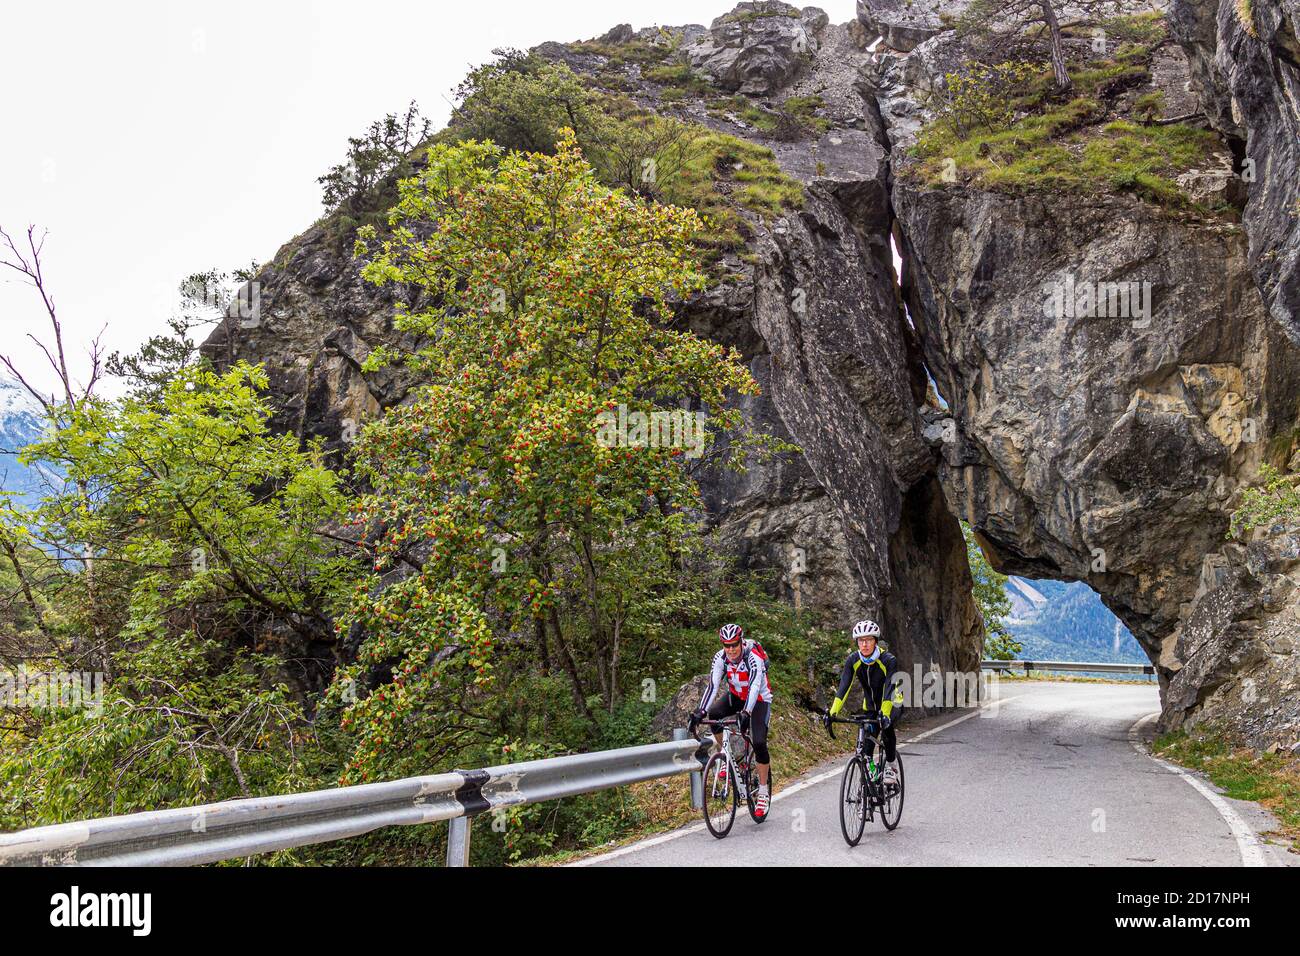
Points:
x=1252 y=853
x=802 y=785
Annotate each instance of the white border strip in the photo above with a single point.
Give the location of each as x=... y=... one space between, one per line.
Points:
x=1252 y=853
x=788 y=791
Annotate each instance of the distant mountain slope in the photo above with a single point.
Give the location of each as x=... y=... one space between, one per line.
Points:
x=20 y=424
x=1066 y=621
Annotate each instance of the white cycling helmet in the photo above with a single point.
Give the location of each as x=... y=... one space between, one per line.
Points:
x=866 y=629
x=730 y=634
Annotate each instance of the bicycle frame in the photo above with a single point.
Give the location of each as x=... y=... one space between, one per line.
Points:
x=860 y=750
x=733 y=770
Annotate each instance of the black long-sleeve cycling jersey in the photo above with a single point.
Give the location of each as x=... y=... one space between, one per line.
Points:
x=876 y=678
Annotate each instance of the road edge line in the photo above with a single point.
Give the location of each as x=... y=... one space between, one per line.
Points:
x=801 y=785
x=1248 y=845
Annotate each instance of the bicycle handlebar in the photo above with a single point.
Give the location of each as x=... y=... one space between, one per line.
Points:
x=859 y=721
x=732 y=721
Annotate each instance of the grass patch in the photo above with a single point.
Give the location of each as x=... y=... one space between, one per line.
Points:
x=804 y=109
x=639 y=51
x=796 y=117
x=1075 y=145
x=725 y=176
x=1271 y=780
x=677 y=76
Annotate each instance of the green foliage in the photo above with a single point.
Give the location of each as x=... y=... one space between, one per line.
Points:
x=640 y=152
x=1018 y=136
x=804 y=110
x=760 y=13
x=991 y=597
x=679 y=76
x=980 y=97
x=758 y=186
x=184 y=721
x=1139 y=29
x=1149 y=106
x=197 y=536
x=204 y=297
x=383 y=151
x=498 y=489
x=520 y=103
x=1246 y=17
x=1064 y=147
x=639 y=51
x=1276 y=499
x=796 y=118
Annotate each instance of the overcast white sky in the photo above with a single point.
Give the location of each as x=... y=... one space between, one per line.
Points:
x=158 y=139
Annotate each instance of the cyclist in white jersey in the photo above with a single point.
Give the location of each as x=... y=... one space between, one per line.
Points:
x=749 y=696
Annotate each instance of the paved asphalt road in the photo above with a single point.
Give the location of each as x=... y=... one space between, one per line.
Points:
x=1050 y=776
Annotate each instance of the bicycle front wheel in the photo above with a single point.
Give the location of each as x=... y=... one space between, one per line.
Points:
x=892 y=809
x=719 y=796
x=853 y=801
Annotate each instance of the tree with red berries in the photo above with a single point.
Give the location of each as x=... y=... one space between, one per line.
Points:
x=510 y=500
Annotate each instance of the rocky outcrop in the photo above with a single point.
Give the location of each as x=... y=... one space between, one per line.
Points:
x=905 y=24
x=1246 y=66
x=759 y=47
x=1088 y=437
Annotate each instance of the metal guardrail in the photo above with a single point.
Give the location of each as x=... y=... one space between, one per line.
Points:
x=240 y=828
x=1095 y=667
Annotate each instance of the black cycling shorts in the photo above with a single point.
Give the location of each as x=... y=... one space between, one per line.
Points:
x=731 y=704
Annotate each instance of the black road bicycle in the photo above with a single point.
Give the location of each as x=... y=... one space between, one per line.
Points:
x=868 y=786
x=729 y=777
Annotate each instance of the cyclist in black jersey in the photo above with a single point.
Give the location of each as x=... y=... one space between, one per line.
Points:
x=875 y=670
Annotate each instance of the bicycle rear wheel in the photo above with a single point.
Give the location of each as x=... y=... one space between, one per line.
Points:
x=853 y=801
x=720 y=798
x=892 y=809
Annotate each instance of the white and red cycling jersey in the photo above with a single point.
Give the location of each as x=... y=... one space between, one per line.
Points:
x=746 y=676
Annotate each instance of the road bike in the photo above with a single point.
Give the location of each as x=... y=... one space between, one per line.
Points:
x=868 y=786
x=730 y=777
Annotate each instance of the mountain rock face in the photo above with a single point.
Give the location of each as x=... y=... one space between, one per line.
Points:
x=1246 y=66
x=757 y=48
x=1109 y=445
x=905 y=24
x=1108 y=449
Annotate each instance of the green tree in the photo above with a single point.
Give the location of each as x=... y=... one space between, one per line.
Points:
x=204 y=298
x=520 y=102
x=214 y=558
x=384 y=150
x=505 y=507
x=1275 y=499
x=991 y=597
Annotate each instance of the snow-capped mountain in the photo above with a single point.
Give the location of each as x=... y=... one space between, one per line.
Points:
x=1066 y=621
x=21 y=423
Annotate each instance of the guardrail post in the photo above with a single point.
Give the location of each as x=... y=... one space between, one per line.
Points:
x=697 y=776
x=458 y=842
